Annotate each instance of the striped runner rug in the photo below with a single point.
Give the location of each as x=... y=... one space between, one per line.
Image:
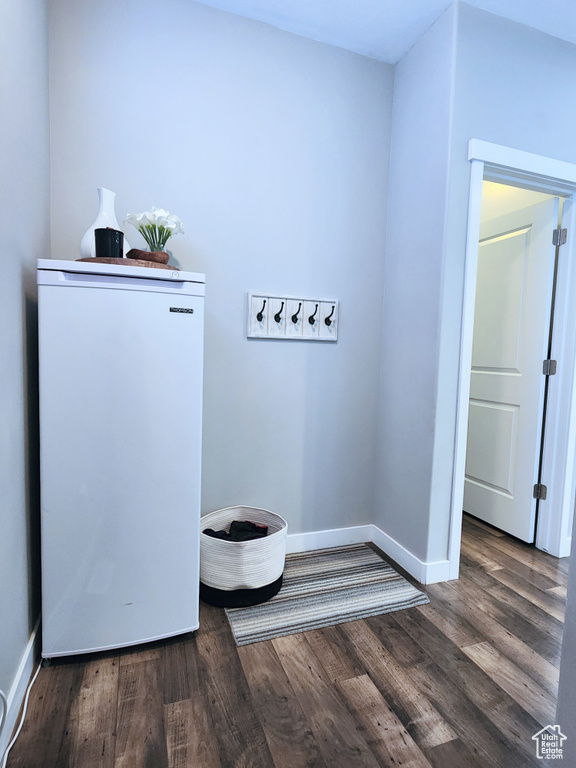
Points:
x=325 y=587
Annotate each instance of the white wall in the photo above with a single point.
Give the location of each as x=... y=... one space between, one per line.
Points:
x=413 y=284
x=24 y=236
x=273 y=150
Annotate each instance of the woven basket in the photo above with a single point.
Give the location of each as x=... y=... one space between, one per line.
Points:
x=241 y=565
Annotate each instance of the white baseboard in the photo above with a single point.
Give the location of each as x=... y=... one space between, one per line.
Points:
x=438 y=570
x=424 y=573
x=335 y=537
x=18 y=689
x=565 y=547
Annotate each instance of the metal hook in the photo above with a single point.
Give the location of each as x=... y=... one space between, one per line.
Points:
x=311 y=319
x=295 y=315
x=327 y=320
x=260 y=315
x=278 y=315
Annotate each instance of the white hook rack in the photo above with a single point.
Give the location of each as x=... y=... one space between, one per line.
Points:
x=288 y=317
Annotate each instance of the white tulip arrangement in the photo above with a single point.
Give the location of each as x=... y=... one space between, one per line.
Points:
x=156 y=227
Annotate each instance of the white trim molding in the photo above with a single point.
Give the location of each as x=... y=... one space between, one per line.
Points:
x=461 y=437
x=18 y=688
x=335 y=537
x=424 y=573
x=561 y=173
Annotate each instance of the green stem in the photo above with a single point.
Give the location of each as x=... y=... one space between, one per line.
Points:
x=156 y=237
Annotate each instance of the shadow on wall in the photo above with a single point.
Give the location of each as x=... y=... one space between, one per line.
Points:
x=32 y=442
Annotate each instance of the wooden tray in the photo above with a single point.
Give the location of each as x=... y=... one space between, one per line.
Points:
x=130 y=263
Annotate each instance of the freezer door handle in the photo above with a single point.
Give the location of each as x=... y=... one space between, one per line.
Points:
x=119 y=282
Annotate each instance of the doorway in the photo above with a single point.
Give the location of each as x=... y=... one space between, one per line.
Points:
x=504 y=165
x=512 y=335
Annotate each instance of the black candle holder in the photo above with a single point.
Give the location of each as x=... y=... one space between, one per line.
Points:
x=109 y=243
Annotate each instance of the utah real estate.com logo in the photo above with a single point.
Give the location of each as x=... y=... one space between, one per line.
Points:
x=549 y=743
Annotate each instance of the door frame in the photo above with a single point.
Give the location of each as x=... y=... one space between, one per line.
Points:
x=497 y=163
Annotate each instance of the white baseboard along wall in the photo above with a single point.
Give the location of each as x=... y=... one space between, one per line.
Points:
x=424 y=573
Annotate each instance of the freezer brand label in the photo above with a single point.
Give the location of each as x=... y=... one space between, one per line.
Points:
x=183 y=310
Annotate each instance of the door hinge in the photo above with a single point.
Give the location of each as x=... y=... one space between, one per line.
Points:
x=540 y=491
x=549 y=367
x=559 y=236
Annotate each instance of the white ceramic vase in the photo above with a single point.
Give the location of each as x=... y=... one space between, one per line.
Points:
x=106 y=218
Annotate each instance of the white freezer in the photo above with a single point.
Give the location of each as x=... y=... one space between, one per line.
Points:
x=120 y=360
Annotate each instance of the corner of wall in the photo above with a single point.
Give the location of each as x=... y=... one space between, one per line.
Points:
x=419 y=171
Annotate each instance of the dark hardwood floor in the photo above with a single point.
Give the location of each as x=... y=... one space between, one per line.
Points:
x=464 y=681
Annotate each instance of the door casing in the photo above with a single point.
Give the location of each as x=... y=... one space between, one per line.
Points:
x=494 y=162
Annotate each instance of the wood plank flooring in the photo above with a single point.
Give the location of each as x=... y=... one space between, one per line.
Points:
x=464 y=681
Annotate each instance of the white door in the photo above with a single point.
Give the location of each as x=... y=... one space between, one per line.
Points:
x=511 y=327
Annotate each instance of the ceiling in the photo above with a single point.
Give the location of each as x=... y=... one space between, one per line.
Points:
x=501 y=199
x=386 y=29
